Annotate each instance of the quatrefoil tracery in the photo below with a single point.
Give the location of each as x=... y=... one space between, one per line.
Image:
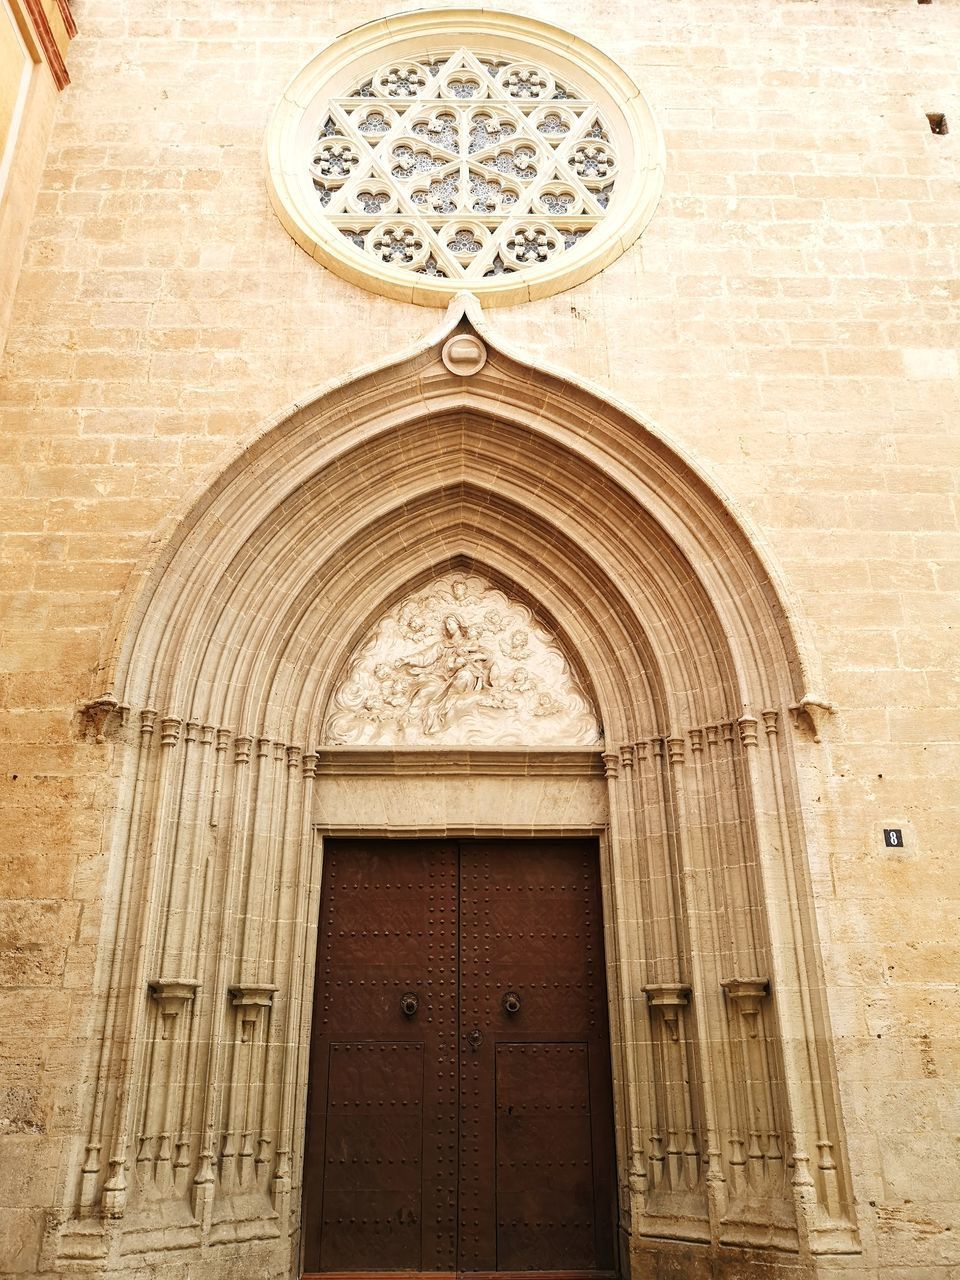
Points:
x=484 y=167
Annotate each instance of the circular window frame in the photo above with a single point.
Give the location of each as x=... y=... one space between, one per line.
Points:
x=293 y=129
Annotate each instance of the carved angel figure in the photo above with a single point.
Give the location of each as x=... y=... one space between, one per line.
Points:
x=516 y=646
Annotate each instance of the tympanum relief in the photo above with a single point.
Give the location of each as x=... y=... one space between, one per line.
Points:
x=458 y=663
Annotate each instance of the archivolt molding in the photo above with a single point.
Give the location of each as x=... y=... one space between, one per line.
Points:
x=429 y=427
x=226 y=667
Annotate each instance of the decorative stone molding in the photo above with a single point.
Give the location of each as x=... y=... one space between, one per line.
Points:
x=747 y=994
x=447 y=147
x=668 y=998
x=172 y=995
x=457 y=762
x=810 y=714
x=170 y=727
x=249 y=998
x=748 y=727
x=611 y=763
x=103 y=717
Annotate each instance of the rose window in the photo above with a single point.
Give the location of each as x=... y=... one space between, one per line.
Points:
x=502 y=165
x=469 y=137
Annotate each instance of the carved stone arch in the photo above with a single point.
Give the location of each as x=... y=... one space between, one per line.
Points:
x=335 y=597
x=614 y=656
x=762 y=630
x=228 y=652
x=534 y=590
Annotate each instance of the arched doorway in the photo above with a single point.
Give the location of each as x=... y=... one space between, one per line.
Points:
x=227 y=664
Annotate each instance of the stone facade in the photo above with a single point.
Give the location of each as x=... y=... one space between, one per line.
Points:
x=767 y=579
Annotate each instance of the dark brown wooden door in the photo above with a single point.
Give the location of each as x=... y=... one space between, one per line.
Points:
x=460 y=1114
x=380 y=1170
x=536 y=1154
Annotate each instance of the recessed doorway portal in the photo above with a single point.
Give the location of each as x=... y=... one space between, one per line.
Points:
x=293 y=697
x=460 y=1116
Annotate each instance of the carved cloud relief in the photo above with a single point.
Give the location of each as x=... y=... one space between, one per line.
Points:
x=460 y=664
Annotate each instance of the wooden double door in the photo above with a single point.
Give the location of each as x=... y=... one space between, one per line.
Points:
x=460 y=1114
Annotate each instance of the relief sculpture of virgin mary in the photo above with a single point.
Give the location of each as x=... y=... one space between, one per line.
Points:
x=460 y=663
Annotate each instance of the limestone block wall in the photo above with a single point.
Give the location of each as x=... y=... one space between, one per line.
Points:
x=789 y=320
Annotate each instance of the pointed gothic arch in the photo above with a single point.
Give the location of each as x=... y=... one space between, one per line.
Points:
x=225 y=657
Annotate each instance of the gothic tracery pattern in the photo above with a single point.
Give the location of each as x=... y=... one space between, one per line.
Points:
x=463 y=166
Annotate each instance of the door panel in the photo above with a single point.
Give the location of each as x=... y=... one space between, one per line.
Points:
x=474 y=1132
x=531 y=928
x=545 y=1171
x=377 y=1196
x=372 y=1176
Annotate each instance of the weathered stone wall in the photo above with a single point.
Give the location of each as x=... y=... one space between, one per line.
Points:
x=789 y=319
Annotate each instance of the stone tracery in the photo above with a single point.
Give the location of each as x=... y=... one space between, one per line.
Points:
x=464 y=127
x=465 y=136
